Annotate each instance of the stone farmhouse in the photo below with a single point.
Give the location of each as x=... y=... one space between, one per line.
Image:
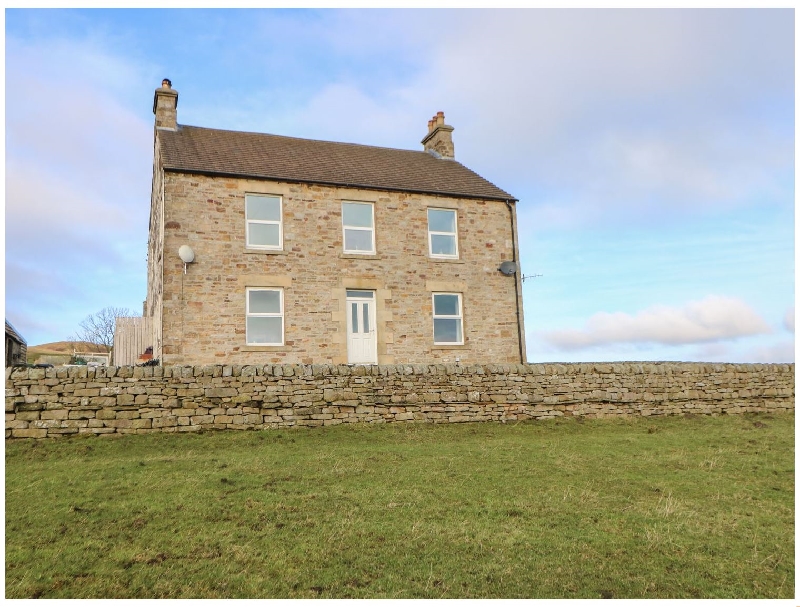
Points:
x=266 y=249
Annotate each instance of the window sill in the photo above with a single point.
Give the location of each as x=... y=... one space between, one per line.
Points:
x=264 y=349
x=359 y=256
x=446 y=259
x=451 y=347
x=265 y=252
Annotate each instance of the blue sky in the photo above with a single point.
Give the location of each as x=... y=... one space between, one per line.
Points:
x=652 y=152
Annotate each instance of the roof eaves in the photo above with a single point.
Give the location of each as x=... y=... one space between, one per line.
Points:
x=212 y=173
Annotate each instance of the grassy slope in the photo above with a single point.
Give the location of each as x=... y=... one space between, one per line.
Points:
x=65 y=348
x=676 y=507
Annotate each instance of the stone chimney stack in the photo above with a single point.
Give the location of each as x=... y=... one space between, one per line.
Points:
x=165 y=106
x=439 y=140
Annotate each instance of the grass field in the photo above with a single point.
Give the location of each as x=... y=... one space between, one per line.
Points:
x=670 y=508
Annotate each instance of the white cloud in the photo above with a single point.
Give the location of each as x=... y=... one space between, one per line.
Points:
x=601 y=115
x=77 y=187
x=592 y=116
x=711 y=319
x=781 y=352
x=788 y=320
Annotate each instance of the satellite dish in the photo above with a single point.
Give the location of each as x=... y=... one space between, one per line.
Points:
x=186 y=254
x=508 y=268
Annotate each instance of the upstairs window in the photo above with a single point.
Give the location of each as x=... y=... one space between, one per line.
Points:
x=264 y=310
x=448 y=323
x=263 y=214
x=442 y=233
x=358 y=225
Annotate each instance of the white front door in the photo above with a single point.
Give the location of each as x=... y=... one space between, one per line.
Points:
x=362 y=338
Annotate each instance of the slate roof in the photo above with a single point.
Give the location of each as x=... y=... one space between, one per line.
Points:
x=193 y=149
x=12 y=332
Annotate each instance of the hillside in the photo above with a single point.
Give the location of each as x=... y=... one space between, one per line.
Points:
x=62 y=348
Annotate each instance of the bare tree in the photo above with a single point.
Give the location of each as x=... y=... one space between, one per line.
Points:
x=98 y=329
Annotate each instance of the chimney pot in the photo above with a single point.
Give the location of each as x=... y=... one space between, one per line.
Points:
x=166 y=83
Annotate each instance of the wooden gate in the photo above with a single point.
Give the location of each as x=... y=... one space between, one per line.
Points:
x=132 y=337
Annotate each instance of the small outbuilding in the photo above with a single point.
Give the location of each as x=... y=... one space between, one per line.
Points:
x=16 y=347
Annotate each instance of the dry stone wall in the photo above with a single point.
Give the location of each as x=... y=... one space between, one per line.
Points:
x=42 y=403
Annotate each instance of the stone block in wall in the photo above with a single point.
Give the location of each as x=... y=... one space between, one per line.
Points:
x=82 y=413
x=55 y=414
x=75 y=423
x=190 y=392
x=53 y=432
x=185 y=412
x=128 y=414
x=87 y=392
x=164 y=422
x=27 y=415
x=96 y=431
x=28 y=433
x=220 y=392
x=45 y=423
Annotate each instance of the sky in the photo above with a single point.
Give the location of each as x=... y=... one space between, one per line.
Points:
x=651 y=151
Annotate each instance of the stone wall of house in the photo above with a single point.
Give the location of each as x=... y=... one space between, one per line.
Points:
x=154 y=303
x=201 y=314
x=43 y=403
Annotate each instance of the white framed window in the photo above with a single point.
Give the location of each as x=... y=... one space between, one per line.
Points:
x=264 y=221
x=448 y=320
x=358 y=226
x=443 y=233
x=264 y=312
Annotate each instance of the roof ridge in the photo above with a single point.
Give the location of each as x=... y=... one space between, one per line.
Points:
x=360 y=145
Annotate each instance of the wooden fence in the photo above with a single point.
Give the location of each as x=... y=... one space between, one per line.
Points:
x=132 y=337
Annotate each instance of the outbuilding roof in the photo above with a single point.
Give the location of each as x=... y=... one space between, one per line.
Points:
x=12 y=332
x=191 y=149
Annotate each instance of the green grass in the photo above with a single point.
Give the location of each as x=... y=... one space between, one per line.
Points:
x=670 y=508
